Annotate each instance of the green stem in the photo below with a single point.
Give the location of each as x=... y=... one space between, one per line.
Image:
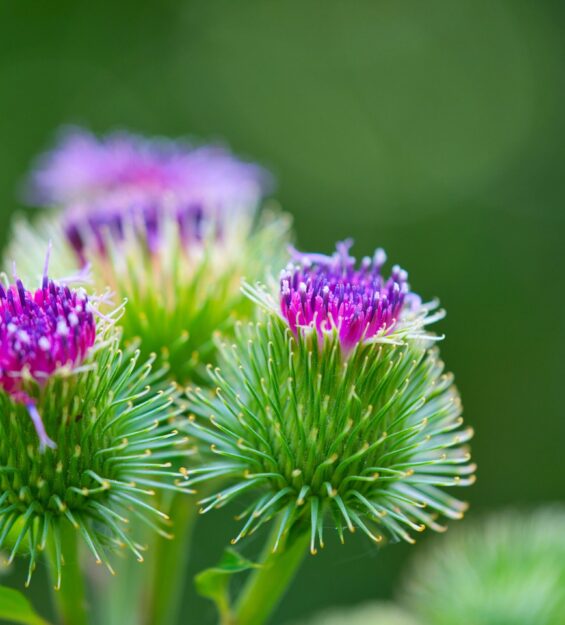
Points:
x=169 y=562
x=70 y=597
x=267 y=585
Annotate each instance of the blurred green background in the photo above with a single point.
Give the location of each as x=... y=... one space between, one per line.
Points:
x=434 y=129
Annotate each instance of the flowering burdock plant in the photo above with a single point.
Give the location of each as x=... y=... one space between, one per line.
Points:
x=169 y=227
x=508 y=569
x=333 y=407
x=82 y=436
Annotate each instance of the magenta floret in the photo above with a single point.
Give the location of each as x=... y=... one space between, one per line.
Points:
x=327 y=292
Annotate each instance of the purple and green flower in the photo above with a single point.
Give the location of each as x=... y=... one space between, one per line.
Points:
x=331 y=409
x=91 y=456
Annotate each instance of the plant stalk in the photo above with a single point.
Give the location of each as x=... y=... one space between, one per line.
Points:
x=169 y=562
x=70 y=598
x=267 y=585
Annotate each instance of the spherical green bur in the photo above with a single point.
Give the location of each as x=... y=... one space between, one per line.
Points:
x=370 y=440
x=112 y=434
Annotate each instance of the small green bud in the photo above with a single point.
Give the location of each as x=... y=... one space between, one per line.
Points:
x=506 y=569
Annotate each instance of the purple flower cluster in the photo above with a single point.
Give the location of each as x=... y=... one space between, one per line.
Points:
x=327 y=292
x=123 y=178
x=40 y=332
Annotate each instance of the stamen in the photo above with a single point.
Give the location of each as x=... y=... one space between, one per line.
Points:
x=328 y=292
x=44 y=440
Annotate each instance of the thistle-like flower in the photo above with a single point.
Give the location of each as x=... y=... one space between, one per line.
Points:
x=506 y=569
x=335 y=403
x=170 y=228
x=91 y=454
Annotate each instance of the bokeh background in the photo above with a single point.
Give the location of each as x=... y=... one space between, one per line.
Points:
x=434 y=129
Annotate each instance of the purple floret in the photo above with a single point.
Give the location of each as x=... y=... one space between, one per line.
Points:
x=327 y=292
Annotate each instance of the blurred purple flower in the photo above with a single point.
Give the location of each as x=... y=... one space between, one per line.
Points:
x=104 y=184
x=83 y=166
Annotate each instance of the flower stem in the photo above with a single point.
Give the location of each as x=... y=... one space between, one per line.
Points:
x=70 y=596
x=267 y=585
x=169 y=562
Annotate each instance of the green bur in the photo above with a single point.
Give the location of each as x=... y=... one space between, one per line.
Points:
x=114 y=438
x=367 y=440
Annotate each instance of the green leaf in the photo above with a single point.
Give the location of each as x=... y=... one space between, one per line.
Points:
x=15 y=608
x=213 y=583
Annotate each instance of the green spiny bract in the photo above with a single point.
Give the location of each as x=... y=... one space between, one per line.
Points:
x=112 y=434
x=369 y=437
x=179 y=296
x=508 y=569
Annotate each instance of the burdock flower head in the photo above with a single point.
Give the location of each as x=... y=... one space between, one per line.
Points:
x=335 y=404
x=90 y=455
x=123 y=180
x=170 y=227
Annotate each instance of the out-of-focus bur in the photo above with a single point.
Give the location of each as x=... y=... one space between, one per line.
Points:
x=170 y=227
x=82 y=434
x=334 y=404
x=508 y=568
x=380 y=613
